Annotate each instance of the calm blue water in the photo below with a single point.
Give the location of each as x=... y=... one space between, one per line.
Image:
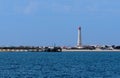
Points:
x=60 y=65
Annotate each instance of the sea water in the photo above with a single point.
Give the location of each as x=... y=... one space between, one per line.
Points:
x=60 y=65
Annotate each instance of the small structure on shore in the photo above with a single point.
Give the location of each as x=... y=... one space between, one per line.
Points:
x=52 y=49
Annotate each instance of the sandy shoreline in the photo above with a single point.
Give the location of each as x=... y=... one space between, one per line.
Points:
x=90 y=50
x=66 y=50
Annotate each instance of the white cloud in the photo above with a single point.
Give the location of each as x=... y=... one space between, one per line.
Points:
x=31 y=7
x=61 y=8
x=28 y=7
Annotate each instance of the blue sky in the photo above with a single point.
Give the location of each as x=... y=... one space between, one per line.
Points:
x=49 y=22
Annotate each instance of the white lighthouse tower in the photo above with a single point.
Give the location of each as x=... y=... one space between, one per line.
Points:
x=79 y=41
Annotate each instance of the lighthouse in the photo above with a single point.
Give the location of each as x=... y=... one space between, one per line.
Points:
x=79 y=41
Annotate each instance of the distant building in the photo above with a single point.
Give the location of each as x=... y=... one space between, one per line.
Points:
x=79 y=41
